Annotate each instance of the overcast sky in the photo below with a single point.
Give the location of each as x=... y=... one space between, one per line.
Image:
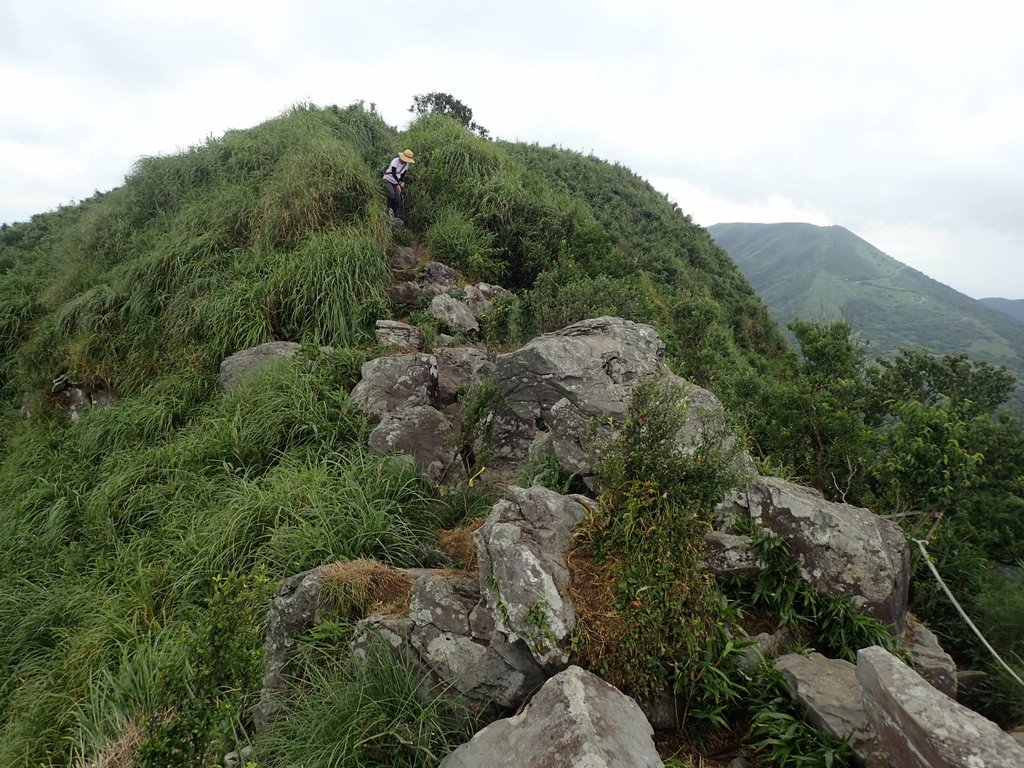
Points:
x=901 y=121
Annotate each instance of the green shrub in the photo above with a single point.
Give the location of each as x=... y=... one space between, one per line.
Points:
x=647 y=543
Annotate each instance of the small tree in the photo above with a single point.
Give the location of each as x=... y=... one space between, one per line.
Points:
x=436 y=103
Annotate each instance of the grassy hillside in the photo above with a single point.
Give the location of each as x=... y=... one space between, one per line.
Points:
x=141 y=542
x=1011 y=307
x=811 y=272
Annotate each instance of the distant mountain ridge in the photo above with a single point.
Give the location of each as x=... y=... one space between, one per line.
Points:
x=1011 y=307
x=812 y=272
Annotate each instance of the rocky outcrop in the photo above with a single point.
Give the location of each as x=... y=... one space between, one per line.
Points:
x=921 y=727
x=460 y=369
x=577 y=384
x=402 y=336
x=521 y=549
x=424 y=436
x=454 y=313
x=450 y=640
x=729 y=556
x=304 y=600
x=237 y=366
x=842 y=550
x=436 y=278
x=828 y=691
x=395 y=382
x=480 y=297
x=576 y=720
x=931 y=661
x=891 y=716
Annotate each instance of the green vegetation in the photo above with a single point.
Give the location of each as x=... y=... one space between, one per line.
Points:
x=922 y=439
x=828 y=273
x=142 y=540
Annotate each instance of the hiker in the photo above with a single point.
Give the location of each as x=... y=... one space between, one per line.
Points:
x=394 y=180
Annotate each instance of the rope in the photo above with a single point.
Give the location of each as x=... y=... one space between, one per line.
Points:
x=963 y=615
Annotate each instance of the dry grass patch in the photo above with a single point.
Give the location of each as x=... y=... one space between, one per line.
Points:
x=458 y=542
x=599 y=628
x=366 y=587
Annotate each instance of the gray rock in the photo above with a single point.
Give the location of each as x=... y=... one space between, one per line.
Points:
x=436 y=278
x=828 y=691
x=406 y=294
x=594 y=364
x=480 y=297
x=728 y=555
x=301 y=603
x=235 y=367
x=842 y=550
x=576 y=720
x=524 y=576
x=391 y=333
x=460 y=369
x=238 y=759
x=423 y=434
x=295 y=609
x=454 y=313
x=922 y=727
x=392 y=383
x=577 y=383
x=932 y=663
x=403 y=258
x=451 y=644
x=764 y=646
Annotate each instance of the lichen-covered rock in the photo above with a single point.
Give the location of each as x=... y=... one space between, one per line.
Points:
x=842 y=550
x=460 y=369
x=524 y=576
x=424 y=435
x=395 y=382
x=920 y=726
x=403 y=258
x=729 y=555
x=932 y=663
x=577 y=383
x=450 y=641
x=235 y=367
x=454 y=313
x=391 y=333
x=480 y=297
x=436 y=278
x=828 y=691
x=595 y=364
x=576 y=720
x=301 y=603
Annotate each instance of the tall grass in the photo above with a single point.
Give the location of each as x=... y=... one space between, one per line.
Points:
x=362 y=715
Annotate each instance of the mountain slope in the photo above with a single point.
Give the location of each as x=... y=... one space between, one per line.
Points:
x=812 y=272
x=1011 y=307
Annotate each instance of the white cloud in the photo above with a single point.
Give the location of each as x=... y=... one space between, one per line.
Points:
x=899 y=121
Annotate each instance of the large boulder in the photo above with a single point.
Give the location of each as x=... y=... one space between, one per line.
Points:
x=577 y=383
x=830 y=695
x=460 y=369
x=524 y=576
x=920 y=726
x=299 y=605
x=595 y=364
x=392 y=333
x=454 y=313
x=450 y=640
x=842 y=550
x=436 y=278
x=576 y=720
x=395 y=382
x=424 y=435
